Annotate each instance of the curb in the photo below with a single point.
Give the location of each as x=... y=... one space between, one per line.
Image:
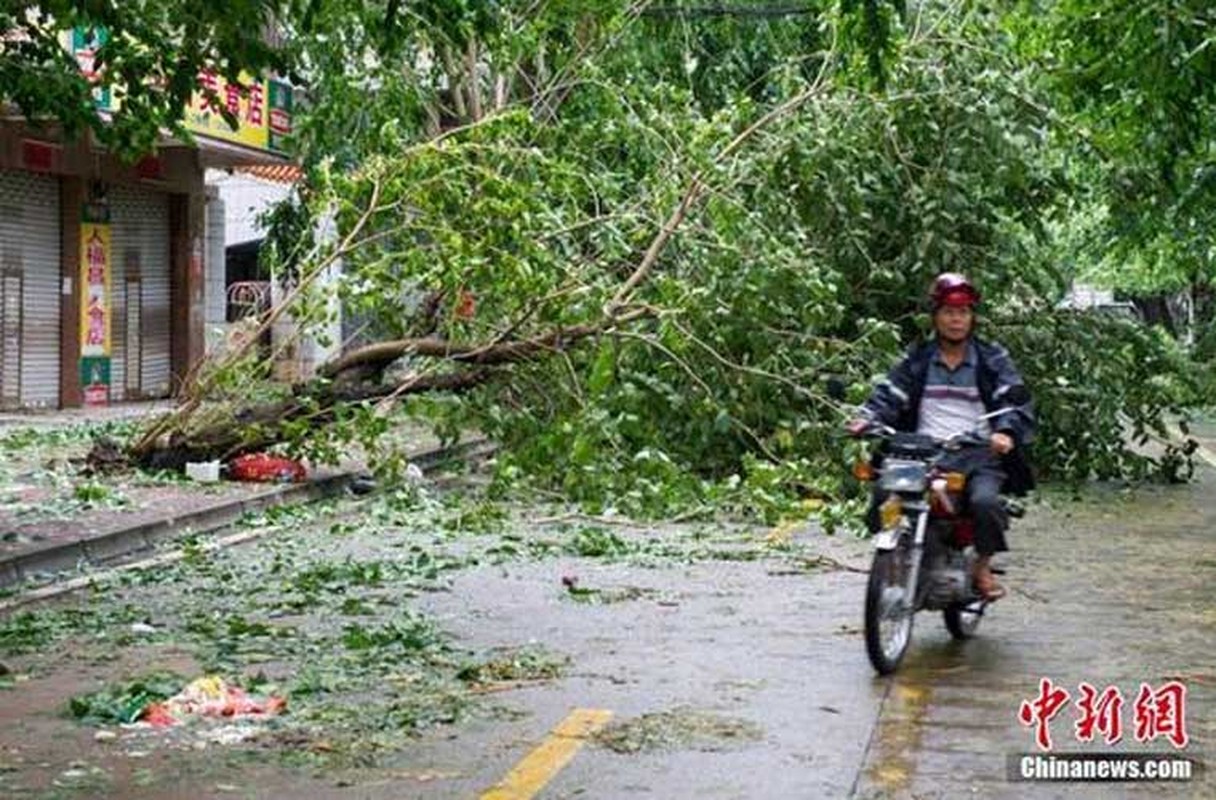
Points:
x=1201 y=450
x=221 y=514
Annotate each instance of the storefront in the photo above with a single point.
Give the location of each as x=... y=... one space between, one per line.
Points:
x=103 y=261
x=29 y=290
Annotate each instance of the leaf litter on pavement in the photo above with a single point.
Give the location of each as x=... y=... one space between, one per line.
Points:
x=318 y=609
x=42 y=480
x=678 y=728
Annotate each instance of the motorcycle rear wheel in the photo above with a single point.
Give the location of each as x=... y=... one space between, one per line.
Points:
x=963 y=619
x=888 y=628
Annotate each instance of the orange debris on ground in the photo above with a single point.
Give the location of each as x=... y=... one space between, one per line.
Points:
x=210 y=697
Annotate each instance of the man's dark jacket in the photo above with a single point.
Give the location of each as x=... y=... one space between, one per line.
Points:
x=896 y=402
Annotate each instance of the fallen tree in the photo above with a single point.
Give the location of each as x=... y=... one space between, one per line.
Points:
x=227 y=433
x=663 y=275
x=355 y=377
x=187 y=434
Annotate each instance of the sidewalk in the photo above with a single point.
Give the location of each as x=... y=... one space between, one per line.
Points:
x=53 y=519
x=60 y=418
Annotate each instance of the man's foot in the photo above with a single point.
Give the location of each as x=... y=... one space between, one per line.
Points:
x=986 y=585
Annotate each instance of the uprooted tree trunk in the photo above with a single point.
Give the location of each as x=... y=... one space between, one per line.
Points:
x=356 y=377
x=257 y=427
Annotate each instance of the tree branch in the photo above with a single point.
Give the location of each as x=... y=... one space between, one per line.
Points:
x=383 y=353
x=698 y=186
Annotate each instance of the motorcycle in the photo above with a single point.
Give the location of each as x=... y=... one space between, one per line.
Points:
x=924 y=551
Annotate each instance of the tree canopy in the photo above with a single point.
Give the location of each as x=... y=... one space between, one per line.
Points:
x=631 y=240
x=148 y=56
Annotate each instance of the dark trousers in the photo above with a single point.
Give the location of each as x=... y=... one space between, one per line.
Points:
x=984 y=480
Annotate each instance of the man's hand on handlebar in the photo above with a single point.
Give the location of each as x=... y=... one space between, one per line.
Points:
x=1001 y=443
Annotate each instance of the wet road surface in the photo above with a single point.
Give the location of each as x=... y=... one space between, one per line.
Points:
x=742 y=674
x=1112 y=590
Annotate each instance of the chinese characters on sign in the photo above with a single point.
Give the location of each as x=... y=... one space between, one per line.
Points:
x=261 y=110
x=244 y=100
x=1158 y=713
x=280 y=114
x=95 y=311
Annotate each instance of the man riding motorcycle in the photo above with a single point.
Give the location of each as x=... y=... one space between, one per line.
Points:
x=943 y=387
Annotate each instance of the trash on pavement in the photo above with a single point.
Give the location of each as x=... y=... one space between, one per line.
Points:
x=414 y=474
x=265 y=468
x=210 y=696
x=203 y=471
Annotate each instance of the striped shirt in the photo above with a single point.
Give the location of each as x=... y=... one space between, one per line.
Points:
x=951 y=402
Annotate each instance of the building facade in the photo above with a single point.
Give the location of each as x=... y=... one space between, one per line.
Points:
x=104 y=263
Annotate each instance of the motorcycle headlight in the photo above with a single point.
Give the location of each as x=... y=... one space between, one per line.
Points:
x=904 y=476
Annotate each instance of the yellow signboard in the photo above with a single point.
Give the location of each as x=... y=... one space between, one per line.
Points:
x=95 y=310
x=260 y=108
x=248 y=100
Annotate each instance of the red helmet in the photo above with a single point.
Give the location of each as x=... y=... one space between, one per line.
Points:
x=953 y=289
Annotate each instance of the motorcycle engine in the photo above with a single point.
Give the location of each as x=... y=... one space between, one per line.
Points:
x=947 y=580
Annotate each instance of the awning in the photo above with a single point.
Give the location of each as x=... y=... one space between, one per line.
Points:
x=276 y=173
x=217 y=154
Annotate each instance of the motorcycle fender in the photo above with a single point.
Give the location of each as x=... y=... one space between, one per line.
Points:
x=886 y=540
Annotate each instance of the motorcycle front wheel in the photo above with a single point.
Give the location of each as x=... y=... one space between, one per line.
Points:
x=888 y=628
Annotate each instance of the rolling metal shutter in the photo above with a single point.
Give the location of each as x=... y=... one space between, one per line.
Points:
x=215 y=281
x=140 y=365
x=29 y=290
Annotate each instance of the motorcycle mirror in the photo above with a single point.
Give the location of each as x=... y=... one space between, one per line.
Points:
x=836 y=388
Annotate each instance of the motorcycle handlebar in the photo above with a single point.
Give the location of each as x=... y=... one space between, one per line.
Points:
x=877 y=430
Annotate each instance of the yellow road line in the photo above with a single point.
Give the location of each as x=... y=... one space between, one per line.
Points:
x=539 y=767
x=901 y=725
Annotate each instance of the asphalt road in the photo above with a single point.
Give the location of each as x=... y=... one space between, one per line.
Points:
x=1112 y=591
x=735 y=673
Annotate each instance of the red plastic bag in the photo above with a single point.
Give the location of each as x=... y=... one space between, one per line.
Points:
x=265 y=468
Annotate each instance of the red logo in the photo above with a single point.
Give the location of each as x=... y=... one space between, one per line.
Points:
x=280 y=121
x=1162 y=713
x=1042 y=710
x=1100 y=713
x=1158 y=713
